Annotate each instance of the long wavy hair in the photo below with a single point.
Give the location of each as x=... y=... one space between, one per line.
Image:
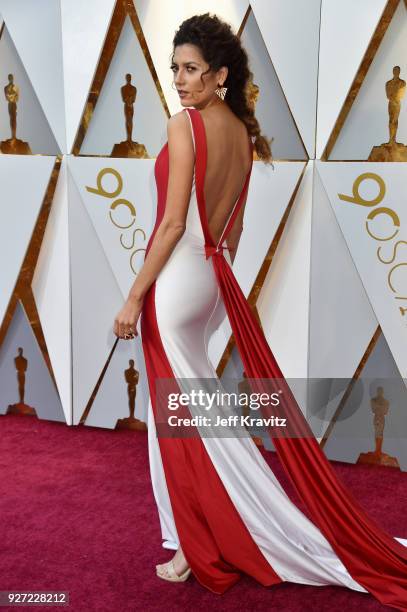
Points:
x=219 y=46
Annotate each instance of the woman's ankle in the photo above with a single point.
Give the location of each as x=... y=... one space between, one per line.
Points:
x=180 y=562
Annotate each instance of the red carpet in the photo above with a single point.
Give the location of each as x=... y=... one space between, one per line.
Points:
x=78 y=515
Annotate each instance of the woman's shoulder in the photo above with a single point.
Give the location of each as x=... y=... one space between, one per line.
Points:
x=178 y=118
x=177 y=124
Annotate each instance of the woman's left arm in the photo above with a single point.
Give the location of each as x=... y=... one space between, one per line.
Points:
x=181 y=168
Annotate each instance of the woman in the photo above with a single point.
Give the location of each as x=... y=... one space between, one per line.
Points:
x=219 y=502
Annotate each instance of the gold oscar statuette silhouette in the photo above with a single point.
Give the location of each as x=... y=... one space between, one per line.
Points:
x=392 y=150
x=244 y=387
x=131 y=376
x=129 y=148
x=20 y=407
x=380 y=407
x=13 y=145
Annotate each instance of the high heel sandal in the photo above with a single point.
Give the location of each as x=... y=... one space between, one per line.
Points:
x=172 y=575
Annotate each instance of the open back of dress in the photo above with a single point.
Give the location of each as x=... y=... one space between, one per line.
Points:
x=224 y=184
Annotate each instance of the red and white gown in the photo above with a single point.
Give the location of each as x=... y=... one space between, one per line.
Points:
x=217 y=496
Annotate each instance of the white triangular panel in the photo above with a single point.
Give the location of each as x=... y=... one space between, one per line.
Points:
x=96 y=300
x=32 y=124
x=21 y=203
x=341 y=319
x=355 y=23
x=367 y=123
x=384 y=281
x=170 y=15
x=133 y=206
x=112 y=402
x=107 y=126
x=272 y=111
x=51 y=289
x=283 y=303
x=269 y=194
x=84 y=27
x=36 y=33
x=291 y=33
x=39 y=389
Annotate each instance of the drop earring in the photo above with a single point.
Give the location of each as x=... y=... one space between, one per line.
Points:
x=221 y=91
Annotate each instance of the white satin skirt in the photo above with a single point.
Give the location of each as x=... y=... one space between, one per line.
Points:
x=189 y=308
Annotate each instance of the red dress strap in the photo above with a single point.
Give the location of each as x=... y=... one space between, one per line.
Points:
x=200 y=167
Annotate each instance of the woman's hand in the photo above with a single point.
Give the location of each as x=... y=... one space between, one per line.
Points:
x=126 y=321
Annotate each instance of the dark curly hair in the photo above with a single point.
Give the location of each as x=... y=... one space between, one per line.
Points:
x=219 y=46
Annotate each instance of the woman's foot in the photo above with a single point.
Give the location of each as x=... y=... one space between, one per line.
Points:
x=179 y=563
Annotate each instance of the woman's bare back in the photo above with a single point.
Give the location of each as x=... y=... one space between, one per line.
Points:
x=229 y=159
